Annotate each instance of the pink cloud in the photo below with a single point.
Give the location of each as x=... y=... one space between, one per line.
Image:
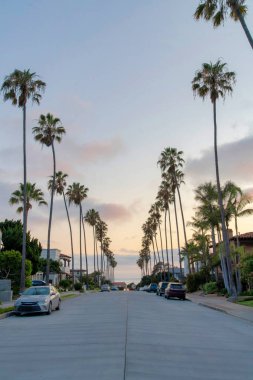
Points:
x=112 y=211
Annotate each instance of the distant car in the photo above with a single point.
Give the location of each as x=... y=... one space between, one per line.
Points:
x=175 y=289
x=105 y=288
x=114 y=288
x=38 y=299
x=152 y=288
x=145 y=288
x=38 y=283
x=161 y=288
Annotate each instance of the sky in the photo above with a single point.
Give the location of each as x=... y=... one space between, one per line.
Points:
x=118 y=76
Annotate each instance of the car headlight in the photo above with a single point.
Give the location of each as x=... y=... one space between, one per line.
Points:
x=43 y=302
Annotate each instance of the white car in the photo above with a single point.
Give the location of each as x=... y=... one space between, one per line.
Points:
x=105 y=288
x=38 y=299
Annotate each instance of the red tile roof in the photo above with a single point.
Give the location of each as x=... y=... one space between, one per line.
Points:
x=247 y=235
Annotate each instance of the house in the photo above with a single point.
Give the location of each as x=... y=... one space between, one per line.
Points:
x=245 y=241
x=63 y=259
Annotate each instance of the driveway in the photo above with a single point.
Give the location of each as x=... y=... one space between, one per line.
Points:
x=126 y=336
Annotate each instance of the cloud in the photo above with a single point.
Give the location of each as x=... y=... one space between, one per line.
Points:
x=92 y=151
x=235 y=163
x=113 y=211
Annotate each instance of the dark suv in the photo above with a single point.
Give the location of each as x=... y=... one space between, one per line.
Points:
x=175 y=289
x=152 y=288
x=161 y=288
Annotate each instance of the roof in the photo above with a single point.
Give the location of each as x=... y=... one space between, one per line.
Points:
x=119 y=283
x=247 y=235
x=63 y=256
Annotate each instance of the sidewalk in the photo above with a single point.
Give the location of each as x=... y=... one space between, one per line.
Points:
x=222 y=304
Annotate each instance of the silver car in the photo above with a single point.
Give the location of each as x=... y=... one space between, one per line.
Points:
x=38 y=299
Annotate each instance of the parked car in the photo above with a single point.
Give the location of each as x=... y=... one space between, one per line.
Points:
x=105 y=288
x=152 y=288
x=38 y=283
x=161 y=288
x=145 y=288
x=38 y=299
x=114 y=288
x=175 y=289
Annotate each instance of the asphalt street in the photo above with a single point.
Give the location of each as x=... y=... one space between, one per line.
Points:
x=126 y=336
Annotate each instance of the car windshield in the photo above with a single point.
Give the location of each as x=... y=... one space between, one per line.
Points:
x=176 y=286
x=41 y=291
x=164 y=284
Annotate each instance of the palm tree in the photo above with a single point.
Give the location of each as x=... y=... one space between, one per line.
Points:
x=33 y=194
x=156 y=216
x=60 y=185
x=76 y=193
x=91 y=217
x=49 y=130
x=171 y=162
x=215 y=81
x=19 y=87
x=217 y=11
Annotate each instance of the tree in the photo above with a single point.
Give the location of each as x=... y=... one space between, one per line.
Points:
x=76 y=193
x=12 y=232
x=215 y=81
x=91 y=217
x=10 y=264
x=19 y=87
x=49 y=130
x=60 y=185
x=32 y=195
x=217 y=11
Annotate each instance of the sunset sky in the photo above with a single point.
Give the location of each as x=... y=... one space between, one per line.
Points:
x=118 y=76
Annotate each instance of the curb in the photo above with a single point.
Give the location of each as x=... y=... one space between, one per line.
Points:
x=221 y=310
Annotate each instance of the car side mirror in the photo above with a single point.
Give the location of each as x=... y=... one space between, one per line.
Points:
x=52 y=294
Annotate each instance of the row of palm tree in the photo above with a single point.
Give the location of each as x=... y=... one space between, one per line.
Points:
x=19 y=87
x=168 y=195
x=215 y=81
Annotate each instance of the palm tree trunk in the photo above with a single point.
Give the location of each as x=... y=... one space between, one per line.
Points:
x=50 y=215
x=243 y=24
x=166 y=242
x=237 y=260
x=22 y=275
x=184 y=229
x=231 y=288
x=80 y=237
x=160 y=233
x=171 y=244
x=71 y=238
x=178 y=240
x=85 y=252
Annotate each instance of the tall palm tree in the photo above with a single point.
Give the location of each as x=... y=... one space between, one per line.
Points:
x=60 y=185
x=49 y=130
x=76 y=193
x=19 y=87
x=91 y=217
x=156 y=216
x=171 y=162
x=33 y=194
x=217 y=11
x=215 y=81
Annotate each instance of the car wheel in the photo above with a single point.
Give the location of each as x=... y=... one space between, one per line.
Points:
x=59 y=305
x=49 y=308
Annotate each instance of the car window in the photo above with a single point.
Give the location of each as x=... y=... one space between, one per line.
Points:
x=176 y=286
x=41 y=291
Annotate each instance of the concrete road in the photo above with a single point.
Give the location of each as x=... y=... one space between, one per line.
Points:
x=126 y=336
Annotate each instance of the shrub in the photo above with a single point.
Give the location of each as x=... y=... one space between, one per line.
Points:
x=195 y=280
x=210 y=288
x=65 y=284
x=247 y=293
x=78 y=286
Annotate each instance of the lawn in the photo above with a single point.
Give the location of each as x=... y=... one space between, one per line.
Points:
x=6 y=309
x=64 y=296
x=246 y=303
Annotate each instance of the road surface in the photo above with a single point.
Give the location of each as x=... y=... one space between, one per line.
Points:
x=126 y=336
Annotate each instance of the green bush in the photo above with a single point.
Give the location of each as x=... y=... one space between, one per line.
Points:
x=78 y=286
x=65 y=284
x=210 y=288
x=247 y=293
x=195 y=280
